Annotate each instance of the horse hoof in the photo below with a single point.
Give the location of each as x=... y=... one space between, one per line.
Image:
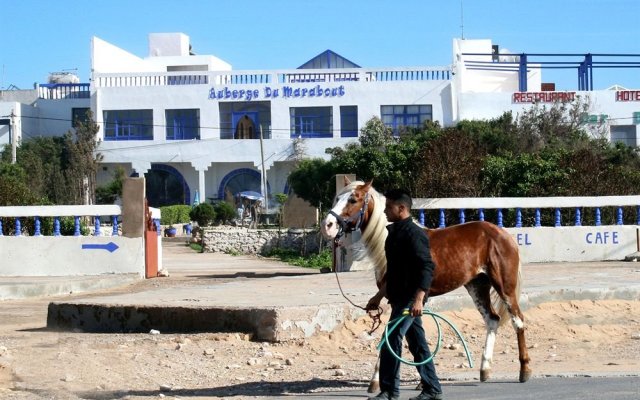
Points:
x=484 y=375
x=525 y=375
x=374 y=387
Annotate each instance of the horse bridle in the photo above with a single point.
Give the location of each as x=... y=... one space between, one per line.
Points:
x=344 y=223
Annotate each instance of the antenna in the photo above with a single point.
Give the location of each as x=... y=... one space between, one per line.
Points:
x=461 y=20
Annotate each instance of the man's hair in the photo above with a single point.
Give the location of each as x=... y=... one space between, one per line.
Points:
x=400 y=196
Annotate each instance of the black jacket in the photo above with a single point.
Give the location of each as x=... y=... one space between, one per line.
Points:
x=409 y=263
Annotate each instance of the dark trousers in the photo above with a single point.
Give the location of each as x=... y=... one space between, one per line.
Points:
x=412 y=329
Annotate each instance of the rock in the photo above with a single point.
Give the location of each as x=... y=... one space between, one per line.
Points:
x=454 y=346
x=635 y=336
x=339 y=372
x=154 y=332
x=165 y=388
x=209 y=352
x=288 y=361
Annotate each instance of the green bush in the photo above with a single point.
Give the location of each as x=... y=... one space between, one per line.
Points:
x=315 y=261
x=225 y=212
x=203 y=214
x=176 y=214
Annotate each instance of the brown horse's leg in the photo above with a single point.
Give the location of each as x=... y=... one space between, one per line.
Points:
x=374 y=383
x=517 y=320
x=509 y=292
x=479 y=289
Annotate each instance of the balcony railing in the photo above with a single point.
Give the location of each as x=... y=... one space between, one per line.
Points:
x=57 y=91
x=230 y=78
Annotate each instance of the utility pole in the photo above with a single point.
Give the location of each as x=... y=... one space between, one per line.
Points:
x=12 y=137
x=263 y=176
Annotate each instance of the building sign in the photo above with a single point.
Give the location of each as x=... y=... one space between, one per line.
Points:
x=627 y=95
x=269 y=92
x=543 y=97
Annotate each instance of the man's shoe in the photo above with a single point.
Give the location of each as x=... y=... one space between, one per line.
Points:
x=425 y=395
x=385 y=396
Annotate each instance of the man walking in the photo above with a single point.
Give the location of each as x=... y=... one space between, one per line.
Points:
x=407 y=281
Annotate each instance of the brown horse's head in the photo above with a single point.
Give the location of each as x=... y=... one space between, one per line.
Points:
x=351 y=211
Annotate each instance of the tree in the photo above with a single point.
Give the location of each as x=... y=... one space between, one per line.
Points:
x=313 y=181
x=83 y=161
x=109 y=193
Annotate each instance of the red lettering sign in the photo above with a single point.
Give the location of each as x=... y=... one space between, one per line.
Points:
x=628 y=95
x=543 y=97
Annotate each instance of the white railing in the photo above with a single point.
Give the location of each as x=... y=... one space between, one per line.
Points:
x=230 y=78
x=20 y=214
x=518 y=204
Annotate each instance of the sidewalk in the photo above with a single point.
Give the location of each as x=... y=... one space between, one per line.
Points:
x=276 y=302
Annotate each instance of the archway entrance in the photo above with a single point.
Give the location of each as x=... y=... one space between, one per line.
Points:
x=239 y=180
x=165 y=186
x=245 y=125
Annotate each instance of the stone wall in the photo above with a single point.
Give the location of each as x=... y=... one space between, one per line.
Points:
x=259 y=241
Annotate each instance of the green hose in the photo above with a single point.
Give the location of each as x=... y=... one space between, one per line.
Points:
x=435 y=316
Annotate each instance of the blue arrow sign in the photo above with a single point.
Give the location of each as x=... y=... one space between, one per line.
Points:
x=111 y=247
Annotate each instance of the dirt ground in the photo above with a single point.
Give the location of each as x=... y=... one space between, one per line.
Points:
x=567 y=338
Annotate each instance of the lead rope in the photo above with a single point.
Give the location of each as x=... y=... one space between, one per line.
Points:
x=391 y=325
x=374 y=315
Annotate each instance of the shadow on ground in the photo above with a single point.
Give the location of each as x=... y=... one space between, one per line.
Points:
x=291 y=388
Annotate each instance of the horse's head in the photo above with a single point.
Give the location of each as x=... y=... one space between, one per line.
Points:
x=351 y=210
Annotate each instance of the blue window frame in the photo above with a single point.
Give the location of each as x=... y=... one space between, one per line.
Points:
x=183 y=124
x=406 y=116
x=349 y=121
x=311 y=122
x=128 y=124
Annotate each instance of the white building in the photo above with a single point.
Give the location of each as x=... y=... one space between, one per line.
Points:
x=192 y=124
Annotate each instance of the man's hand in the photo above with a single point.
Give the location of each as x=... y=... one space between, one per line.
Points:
x=416 y=308
x=374 y=302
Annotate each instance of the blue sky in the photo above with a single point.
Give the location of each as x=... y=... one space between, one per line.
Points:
x=42 y=36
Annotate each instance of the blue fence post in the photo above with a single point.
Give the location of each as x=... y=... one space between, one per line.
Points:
x=537 y=218
x=97 y=226
x=598 y=219
x=578 y=217
x=637 y=218
x=500 y=217
x=558 y=218
x=1 y=234
x=481 y=214
x=461 y=215
x=157 y=222
x=619 y=219
x=76 y=226
x=421 y=216
x=114 y=221
x=518 y=217
x=441 y=222
x=37 y=227
x=18 y=227
x=56 y=226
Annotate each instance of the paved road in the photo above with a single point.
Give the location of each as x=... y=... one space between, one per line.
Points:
x=569 y=388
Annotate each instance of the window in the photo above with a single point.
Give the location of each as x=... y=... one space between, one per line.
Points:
x=128 y=125
x=349 y=121
x=183 y=124
x=311 y=122
x=624 y=134
x=79 y=115
x=231 y=113
x=411 y=116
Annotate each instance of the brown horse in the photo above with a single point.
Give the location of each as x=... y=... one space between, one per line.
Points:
x=477 y=255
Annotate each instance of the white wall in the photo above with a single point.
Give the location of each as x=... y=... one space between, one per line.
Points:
x=575 y=243
x=64 y=255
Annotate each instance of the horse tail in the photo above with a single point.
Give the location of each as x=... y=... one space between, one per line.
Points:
x=499 y=305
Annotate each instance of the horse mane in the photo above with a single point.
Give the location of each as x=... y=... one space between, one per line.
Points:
x=371 y=244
